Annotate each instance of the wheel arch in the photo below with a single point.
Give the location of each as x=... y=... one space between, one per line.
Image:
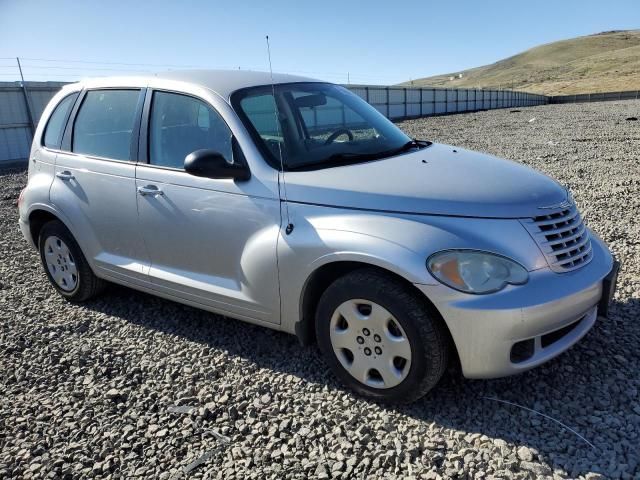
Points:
x=37 y=219
x=323 y=276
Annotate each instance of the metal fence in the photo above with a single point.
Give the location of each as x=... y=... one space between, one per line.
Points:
x=17 y=112
x=19 y=105
x=399 y=103
x=596 y=97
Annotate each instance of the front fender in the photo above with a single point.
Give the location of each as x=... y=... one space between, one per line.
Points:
x=349 y=246
x=398 y=243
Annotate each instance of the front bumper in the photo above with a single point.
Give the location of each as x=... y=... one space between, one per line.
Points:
x=546 y=316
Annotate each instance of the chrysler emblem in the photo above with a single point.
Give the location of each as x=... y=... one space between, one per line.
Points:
x=565 y=204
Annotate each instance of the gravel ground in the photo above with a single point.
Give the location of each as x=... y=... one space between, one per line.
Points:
x=134 y=386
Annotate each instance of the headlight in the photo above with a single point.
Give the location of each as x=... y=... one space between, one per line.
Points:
x=475 y=272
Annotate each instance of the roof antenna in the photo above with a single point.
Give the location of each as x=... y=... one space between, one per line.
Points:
x=289 y=228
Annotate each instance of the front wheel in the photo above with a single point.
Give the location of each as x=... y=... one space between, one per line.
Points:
x=378 y=337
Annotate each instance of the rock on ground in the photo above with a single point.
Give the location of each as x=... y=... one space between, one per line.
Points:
x=88 y=391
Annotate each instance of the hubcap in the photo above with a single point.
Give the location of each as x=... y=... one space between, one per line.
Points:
x=370 y=343
x=60 y=263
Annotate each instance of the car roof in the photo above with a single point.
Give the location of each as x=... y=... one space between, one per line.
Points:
x=223 y=82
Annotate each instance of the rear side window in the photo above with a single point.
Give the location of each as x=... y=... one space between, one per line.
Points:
x=104 y=124
x=55 y=126
x=179 y=125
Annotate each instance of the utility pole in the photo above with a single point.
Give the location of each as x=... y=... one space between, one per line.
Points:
x=32 y=124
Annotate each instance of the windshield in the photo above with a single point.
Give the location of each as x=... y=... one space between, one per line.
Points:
x=320 y=125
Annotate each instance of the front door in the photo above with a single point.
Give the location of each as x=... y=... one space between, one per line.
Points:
x=94 y=184
x=210 y=241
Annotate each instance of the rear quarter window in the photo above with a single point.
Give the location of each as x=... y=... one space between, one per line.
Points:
x=57 y=121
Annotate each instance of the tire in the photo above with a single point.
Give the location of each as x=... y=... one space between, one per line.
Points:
x=62 y=259
x=403 y=379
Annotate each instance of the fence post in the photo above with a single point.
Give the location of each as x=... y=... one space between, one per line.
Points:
x=32 y=125
x=406 y=111
x=421 y=102
x=433 y=101
x=388 y=104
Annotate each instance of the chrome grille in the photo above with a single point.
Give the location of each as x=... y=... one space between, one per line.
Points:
x=563 y=238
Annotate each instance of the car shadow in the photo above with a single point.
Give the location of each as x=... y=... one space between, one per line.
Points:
x=569 y=411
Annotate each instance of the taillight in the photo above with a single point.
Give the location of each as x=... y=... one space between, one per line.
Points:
x=21 y=197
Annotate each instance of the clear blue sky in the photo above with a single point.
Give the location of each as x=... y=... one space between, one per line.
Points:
x=375 y=41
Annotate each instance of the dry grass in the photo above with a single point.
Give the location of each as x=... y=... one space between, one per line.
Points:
x=605 y=62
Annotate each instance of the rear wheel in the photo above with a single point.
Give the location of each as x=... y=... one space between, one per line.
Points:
x=65 y=265
x=379 y=338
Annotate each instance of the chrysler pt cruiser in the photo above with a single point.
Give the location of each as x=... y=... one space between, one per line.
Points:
x=294 y=204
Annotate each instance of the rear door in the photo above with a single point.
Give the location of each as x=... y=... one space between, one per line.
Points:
x=94 y=183
x=210 y=241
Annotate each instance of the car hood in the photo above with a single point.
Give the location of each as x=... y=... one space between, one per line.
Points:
x=437 y=180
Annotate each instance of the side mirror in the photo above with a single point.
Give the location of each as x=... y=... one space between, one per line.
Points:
x=211 y=164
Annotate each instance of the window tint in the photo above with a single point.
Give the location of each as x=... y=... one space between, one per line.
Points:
x=104 y=124
x=260 y=109
x=329 y=115
x=179 y=125
x=318 y=125
x=57 y=120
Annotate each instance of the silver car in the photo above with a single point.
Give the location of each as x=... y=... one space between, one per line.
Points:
x=294 y=204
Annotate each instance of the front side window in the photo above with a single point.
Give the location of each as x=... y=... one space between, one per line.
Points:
x=55 y=126
x=104 y=124
x=179 y=125
x=260 y=110
x=317 y=125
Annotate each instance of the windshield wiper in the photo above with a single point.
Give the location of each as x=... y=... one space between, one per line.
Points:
x=415 y=143
x=340 y=159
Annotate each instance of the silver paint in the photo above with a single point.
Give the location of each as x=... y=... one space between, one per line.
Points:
x=220 y=245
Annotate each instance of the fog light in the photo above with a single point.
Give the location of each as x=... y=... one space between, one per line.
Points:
x=522 y=351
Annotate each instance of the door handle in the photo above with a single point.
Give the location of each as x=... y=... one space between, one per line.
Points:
x=66 y=175
x=150 y=190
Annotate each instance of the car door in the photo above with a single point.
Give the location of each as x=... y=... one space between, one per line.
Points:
x=211 y=241
x=94 y=185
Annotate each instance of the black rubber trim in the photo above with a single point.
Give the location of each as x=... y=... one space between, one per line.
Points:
x=135 y=133
x=608 y=289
